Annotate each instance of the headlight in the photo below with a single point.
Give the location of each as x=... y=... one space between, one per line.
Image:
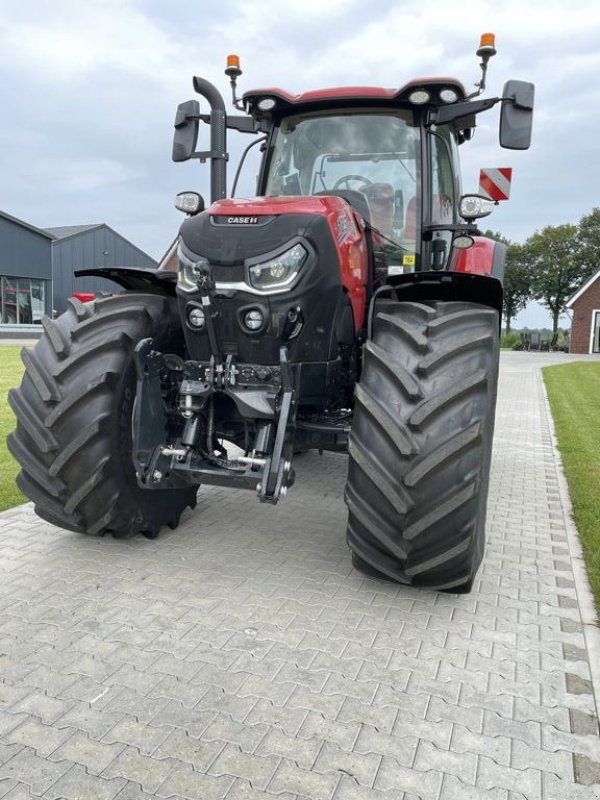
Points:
x=474 y=206
x=254 y=319
x=196 y=318
x=187 y=270
x=448 y=96
x=279 y=272
x=266 y=103
x=419 y=97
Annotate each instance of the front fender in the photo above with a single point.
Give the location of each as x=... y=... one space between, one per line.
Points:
x=485 y=257
x=423 y=287
x=134 y=279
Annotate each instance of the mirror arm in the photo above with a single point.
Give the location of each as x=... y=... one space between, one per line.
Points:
x=182 y=119
x=202 y=156
x=235 y=123
x=453 y=111
x=242 y=124
x=465 y=108
x=467 y=228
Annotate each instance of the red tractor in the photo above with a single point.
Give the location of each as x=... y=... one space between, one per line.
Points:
x=352 y=306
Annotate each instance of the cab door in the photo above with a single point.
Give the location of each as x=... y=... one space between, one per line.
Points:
x=443 y=195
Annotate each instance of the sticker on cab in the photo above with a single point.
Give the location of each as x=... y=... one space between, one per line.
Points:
x=408 y=261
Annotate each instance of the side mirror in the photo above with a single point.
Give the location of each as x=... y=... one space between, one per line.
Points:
x=516 y=117
x=187 y=121
x=475 y=206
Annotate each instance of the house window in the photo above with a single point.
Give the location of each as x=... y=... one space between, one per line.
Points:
x=22 y=301
x=596 y=332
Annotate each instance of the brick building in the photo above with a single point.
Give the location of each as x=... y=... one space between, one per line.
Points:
x=585 y=307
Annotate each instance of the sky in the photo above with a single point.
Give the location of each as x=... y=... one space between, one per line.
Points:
x=89 y=92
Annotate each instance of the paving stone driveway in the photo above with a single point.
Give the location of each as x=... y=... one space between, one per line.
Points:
x=241 y=657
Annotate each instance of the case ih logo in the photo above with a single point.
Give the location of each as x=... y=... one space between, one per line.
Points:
x=242 y=220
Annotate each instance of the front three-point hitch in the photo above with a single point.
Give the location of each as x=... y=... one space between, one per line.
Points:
x=176 y=436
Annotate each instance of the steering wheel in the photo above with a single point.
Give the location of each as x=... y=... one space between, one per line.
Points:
x=339 y=184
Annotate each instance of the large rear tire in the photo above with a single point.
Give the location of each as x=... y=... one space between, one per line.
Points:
x=74 y=410
x=421 y=441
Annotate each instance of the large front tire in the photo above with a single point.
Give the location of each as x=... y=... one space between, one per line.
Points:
x=74 y=409
x=421 y=441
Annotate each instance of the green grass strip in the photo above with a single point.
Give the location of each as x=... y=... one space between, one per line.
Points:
x=574 y=394
x=11 y=371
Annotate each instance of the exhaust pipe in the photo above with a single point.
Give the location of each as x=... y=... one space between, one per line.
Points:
x=218 y=138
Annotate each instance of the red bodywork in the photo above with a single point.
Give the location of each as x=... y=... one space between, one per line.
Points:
x=346 y=229
x=478 y=259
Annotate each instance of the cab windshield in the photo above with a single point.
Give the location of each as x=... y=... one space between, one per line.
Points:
x=374 y=153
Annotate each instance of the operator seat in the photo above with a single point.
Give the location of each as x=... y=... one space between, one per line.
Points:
x=380 y=197
x=442 y=210
x=410 y=224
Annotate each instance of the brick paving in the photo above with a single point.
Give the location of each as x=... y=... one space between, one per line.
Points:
x=241 y=656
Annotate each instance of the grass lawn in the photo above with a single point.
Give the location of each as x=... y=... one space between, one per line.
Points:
x=574 y=393
x=11 y=369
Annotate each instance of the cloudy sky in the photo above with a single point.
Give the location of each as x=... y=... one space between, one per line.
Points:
x=89 y=91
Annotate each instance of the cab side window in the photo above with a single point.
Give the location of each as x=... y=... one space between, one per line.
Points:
x=443 y=199
x=443 y=196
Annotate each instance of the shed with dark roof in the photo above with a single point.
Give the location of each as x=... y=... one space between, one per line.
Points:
x=86 y=246
x=37 y=266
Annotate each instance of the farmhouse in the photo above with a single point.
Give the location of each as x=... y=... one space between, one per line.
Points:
x=585 y=307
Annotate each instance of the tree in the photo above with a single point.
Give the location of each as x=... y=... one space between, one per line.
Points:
x=517 y=282
x=589 y=241
x=554 y=259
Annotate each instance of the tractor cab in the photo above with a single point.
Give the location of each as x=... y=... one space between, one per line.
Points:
x=392 y=154
x=369 y=157
x=368 y=146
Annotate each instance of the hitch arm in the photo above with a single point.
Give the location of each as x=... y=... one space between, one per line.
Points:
x=148 y=423
x=277 y=467
x=206 y=287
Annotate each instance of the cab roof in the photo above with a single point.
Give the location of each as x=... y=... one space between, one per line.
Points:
x=345 y=95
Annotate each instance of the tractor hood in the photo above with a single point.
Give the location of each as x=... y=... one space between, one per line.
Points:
x=263 y=224
x=239 y=239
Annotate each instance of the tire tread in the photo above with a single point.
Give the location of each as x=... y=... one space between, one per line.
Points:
x=417 y=515
x=68 y=436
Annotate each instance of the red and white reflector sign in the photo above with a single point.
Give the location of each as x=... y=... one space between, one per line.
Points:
x=495 y=182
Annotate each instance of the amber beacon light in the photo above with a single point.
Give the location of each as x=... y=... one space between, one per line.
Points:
x=233 y=66
x=487 y=45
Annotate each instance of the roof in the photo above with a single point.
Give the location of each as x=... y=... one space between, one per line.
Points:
x=582 y=289
x=65 y=232
x=32 y=228
x=71 y=230
x=343 y=93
